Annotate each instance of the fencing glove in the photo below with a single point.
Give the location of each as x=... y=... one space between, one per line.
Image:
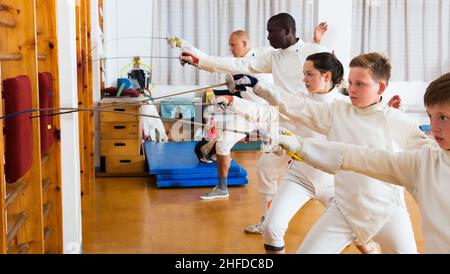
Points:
x=223 y=101
x=240 y=82
x=189 y=58
x=152 y=128
x=291 y=143
x=175 y=42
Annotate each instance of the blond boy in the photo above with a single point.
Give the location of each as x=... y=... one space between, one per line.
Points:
x=424 y=173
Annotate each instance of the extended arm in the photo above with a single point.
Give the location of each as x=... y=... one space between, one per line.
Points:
x=315 y=115
x=397 y=168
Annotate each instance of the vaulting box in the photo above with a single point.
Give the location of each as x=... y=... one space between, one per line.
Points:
x=118 y=117
x=125 y=164
x=119 y=130
x=120 y=147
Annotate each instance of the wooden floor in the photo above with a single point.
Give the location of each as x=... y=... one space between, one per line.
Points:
x=130 y=215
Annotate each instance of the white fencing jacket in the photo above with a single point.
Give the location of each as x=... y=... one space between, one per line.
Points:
x=263 y=114
x=424 y=173
x=286 y=66
x=366 y=203
x=253 y=53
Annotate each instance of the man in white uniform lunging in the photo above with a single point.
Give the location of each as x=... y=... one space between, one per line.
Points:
x=284 y=64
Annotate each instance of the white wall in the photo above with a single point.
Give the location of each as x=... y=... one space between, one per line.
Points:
x=131 y=20
x=70 y=160
x=411 y=94
x=338 y=14
x=126 y=19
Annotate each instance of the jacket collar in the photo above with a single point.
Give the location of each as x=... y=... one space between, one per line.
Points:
x=296 y=47
x=250 y=53
x=324 y=97
x=372 y=108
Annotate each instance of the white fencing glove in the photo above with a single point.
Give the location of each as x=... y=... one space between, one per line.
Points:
x=153 y=128
x=240 y=82
x=291 y=143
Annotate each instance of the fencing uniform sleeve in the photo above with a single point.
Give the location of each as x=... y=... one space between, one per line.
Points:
x=417 y=139
x=253 y=112
x=253 y=64
x=312 y=114
x=395 y=168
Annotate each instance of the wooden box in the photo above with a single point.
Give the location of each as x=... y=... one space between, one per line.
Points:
x=120 y=147
x=118 y=117
x=119 y=130
x=125 y=164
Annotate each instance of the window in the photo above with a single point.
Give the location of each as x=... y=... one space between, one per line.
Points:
x=414 y=34
x=208 y=23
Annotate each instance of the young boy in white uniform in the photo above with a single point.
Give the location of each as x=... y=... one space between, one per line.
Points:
x=284 y=64
x=364 y=209
x=424 y=173
x=322 y=74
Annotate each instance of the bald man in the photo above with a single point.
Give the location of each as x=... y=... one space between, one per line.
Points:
x=239 y=43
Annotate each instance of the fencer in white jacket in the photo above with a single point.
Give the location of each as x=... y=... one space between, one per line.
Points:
x=300 y=183
x=285 y=63
x=363 y=208
x=240 y=47
x=322 y=74
x=424 y=173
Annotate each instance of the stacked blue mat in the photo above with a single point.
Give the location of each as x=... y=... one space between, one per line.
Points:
x=175 y=165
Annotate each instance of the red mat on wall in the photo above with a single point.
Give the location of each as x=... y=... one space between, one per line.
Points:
x=46 y=101
x=18 y=129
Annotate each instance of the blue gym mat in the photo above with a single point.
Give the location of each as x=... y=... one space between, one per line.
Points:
x=182 y=176
x=236 y=181
x=175 y=165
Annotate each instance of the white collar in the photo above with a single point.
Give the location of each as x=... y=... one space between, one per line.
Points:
x=324 y=97
x=296 y=47
x=371 y=109
x=250 y=53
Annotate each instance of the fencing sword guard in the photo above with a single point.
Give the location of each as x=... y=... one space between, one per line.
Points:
x=229 y=80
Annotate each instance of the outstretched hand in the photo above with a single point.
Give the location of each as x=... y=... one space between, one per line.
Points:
x=174 y=41
x=395 y=102
x=189 y=58
x=224 y=101
x=319 y=32
x=291 y=143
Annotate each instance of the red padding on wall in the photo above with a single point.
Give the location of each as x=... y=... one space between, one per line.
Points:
x=46 y=101
x=18 y=129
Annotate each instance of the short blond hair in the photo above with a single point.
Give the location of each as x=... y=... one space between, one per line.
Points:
x=378 y=65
